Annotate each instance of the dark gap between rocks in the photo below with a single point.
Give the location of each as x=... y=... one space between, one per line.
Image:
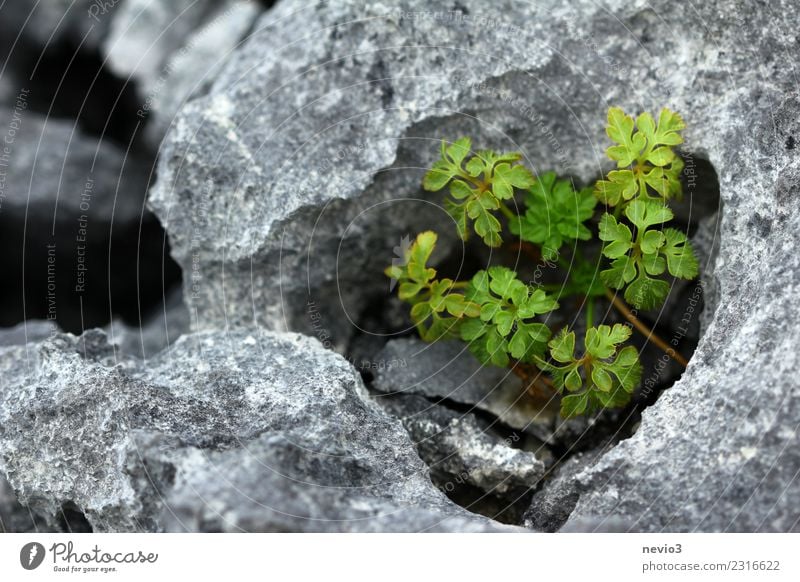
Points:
x=72 y=520
x=130 y=270
x=103 y=104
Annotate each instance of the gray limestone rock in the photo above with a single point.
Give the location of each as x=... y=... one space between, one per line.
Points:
x=247 y=430
x=31 y=331
x=446 y=370
x=552 y=505
x=15 y=517
x=42 y=24
x=459 y=448
x=159 y=331
x=174 y=50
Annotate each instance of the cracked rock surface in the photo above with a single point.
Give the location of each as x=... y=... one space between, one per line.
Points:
x=459 y=446
x=285 y=183
x=223 y=432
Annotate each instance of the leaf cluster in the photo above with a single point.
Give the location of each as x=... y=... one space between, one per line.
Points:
x=437 y=309
x=555 y=214
x=637 y=260
x=505 y=328
x=604 y=376
x=478 y=186
x=646 y=160
x=507 y=322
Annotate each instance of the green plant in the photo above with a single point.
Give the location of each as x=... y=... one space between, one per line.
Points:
x=508 y=322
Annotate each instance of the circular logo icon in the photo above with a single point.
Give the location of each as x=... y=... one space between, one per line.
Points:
x=31 y=555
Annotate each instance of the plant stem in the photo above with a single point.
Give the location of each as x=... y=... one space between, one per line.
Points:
x=459 y=285
x=589 y=312
x=527 y=373
x=643 y=329
x=526 y=248
x=507 y=212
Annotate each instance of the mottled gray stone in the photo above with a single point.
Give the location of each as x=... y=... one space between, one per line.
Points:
x=718 y=451
x=246 y=430
x=43 y=24
x=249 y=166
x=447 y=370
x=314 y=137
x=144 y=34
x=159 y=331
x=459 y=448
x=553 y=504
x=53 y=168
x=31 y=331
x=174 y=50
x=15 y=517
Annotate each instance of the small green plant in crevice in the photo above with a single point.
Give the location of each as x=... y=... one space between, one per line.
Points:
x=608 y=239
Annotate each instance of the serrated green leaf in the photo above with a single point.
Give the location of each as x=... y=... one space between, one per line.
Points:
x=644 y=213
x=626 y=368
x=669 y=124
x=459 y=150
x=460 y=190
x=438 y=176
x=652 y=240
x=409 y=289
x=647 y=155
x=621 y=272
x=678 y=251
x=653 y=264
x=475 y=166
x=616 y=235
x=507 y=177
x=504 y=320
x=529 y=340
x=497 y=347
x=472 y=329
x=620 y=130
x=661 y=156
x=562 y=346
x=602 y=341
x=458 y=306
x=538 y=303
x=601 y=379
x=555 y=214
x=621 y=185
x=666 y=133
x=486 y=224
x=573 y=381
x=658 y=180
x=574 y=405
x=645 y=292
x=421 y=311
x=394 y=272
x=458 y=212
x=501 y=280
x=478 y=289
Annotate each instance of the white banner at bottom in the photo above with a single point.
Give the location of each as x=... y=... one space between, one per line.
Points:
x=390 y=557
